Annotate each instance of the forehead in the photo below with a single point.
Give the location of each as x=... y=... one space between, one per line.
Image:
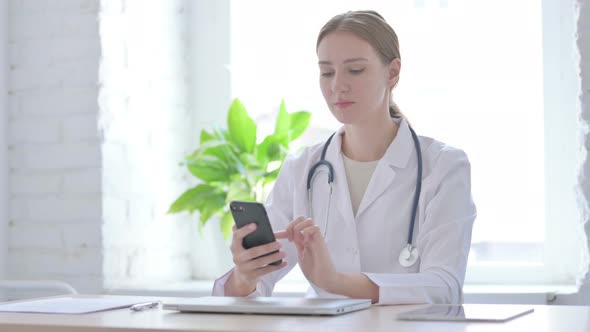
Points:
x=338 y=46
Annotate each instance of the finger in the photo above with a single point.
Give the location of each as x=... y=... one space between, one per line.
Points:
x=264 y=261
x=268 y=269
x=299 y=247
x=238 y=237
x=300 y=227
x=243 y=231
x=304 y=224
x=281 y=235
x=310 y=234
x=293 y=229
x=293 y=224
x=252 y=253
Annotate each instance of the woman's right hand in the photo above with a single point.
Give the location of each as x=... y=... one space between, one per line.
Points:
x=250 y=266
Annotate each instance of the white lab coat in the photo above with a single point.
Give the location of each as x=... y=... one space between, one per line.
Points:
x=370 y=243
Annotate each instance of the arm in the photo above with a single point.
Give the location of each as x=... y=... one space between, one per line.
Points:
x=261 y=283
x=444 y=240
x=354 y=285
x=316 y=263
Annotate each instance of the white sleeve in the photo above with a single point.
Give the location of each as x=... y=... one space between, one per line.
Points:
x=279 y=207
x=444 y=241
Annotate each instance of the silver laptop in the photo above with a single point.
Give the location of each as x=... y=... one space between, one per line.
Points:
x=268 y=305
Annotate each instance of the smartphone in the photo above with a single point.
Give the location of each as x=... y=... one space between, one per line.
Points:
x=245 y=213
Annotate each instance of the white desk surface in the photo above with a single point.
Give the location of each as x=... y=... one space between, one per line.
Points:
x=377 y=318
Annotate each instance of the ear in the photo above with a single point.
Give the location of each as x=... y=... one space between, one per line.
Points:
x=393 y=73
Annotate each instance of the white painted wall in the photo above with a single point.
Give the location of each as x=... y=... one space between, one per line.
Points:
x=55 y=219
x=3 y=135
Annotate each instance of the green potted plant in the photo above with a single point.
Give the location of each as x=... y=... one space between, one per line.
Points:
x=232 y=165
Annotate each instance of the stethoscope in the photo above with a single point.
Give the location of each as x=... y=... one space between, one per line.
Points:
x=409 y=254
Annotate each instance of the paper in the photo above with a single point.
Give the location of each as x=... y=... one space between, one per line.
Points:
x=69 y=305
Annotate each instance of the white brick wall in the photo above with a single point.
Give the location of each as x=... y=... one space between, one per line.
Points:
x=147 y=131
x=59 y=208
x=54 y=159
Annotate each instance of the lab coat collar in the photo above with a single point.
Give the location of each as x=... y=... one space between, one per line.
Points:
x=396 y=156
x=399 y=151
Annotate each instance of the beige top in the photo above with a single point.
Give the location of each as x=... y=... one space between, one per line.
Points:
x=358 y=175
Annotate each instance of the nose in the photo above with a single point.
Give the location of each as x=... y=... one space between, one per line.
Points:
x=339 y=83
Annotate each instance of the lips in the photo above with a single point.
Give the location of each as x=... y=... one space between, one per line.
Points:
x=343 y=103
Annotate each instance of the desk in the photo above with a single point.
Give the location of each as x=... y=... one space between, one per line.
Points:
x=377 y=318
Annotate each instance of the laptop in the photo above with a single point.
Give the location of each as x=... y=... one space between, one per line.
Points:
x=268 y=305
x=467 y=312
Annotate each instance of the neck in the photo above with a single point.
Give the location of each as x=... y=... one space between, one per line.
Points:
x=368 y=141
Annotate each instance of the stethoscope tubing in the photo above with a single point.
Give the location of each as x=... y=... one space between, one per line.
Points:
x=330 y=170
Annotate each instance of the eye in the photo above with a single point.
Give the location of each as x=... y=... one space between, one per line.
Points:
x=327 y=74
x=356 y=71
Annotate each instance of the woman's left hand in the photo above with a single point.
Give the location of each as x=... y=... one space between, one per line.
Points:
x=314 y=257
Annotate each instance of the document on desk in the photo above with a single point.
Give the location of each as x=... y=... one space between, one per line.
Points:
x=69 y=305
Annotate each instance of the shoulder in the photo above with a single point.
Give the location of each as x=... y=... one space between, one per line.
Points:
x=439 y=157
x=305 y=157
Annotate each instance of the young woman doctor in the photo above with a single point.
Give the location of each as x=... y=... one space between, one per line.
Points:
x=388 y=215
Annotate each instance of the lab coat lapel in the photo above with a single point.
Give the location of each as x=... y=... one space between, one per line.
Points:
x=396 y=157
x=341 y=193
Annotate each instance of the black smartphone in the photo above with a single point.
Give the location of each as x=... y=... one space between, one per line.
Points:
x=245 y=213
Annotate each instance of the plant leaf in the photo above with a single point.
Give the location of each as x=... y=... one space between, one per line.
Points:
x=205 y=136
x=298 y=123
x=267 y=150
x=227 y=221
x=282 y=125
x=239 y=190
x=192 y=199
x=262 y=150
x=211 y=147
x=242 y=128
x=222 y=150
x=249 y=160
x=209 y=168
x=274 y=151
x=212 y=204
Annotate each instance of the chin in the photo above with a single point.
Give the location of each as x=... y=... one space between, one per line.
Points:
x=346 y=117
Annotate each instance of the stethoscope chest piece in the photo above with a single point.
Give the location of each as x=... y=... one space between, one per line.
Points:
x=408 y=256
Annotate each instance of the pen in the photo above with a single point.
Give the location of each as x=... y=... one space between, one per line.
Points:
x=145 y=305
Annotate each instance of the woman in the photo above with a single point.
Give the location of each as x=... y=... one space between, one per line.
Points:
x=381 y=234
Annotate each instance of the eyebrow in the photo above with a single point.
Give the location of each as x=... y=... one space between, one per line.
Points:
x=345 y=61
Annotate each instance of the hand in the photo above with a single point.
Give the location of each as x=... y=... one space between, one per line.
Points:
x=250 y=266
x=314 y=257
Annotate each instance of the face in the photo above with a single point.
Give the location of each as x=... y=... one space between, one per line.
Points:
x=354 y=81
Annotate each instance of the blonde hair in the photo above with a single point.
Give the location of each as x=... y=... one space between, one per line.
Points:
x=371 y=27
